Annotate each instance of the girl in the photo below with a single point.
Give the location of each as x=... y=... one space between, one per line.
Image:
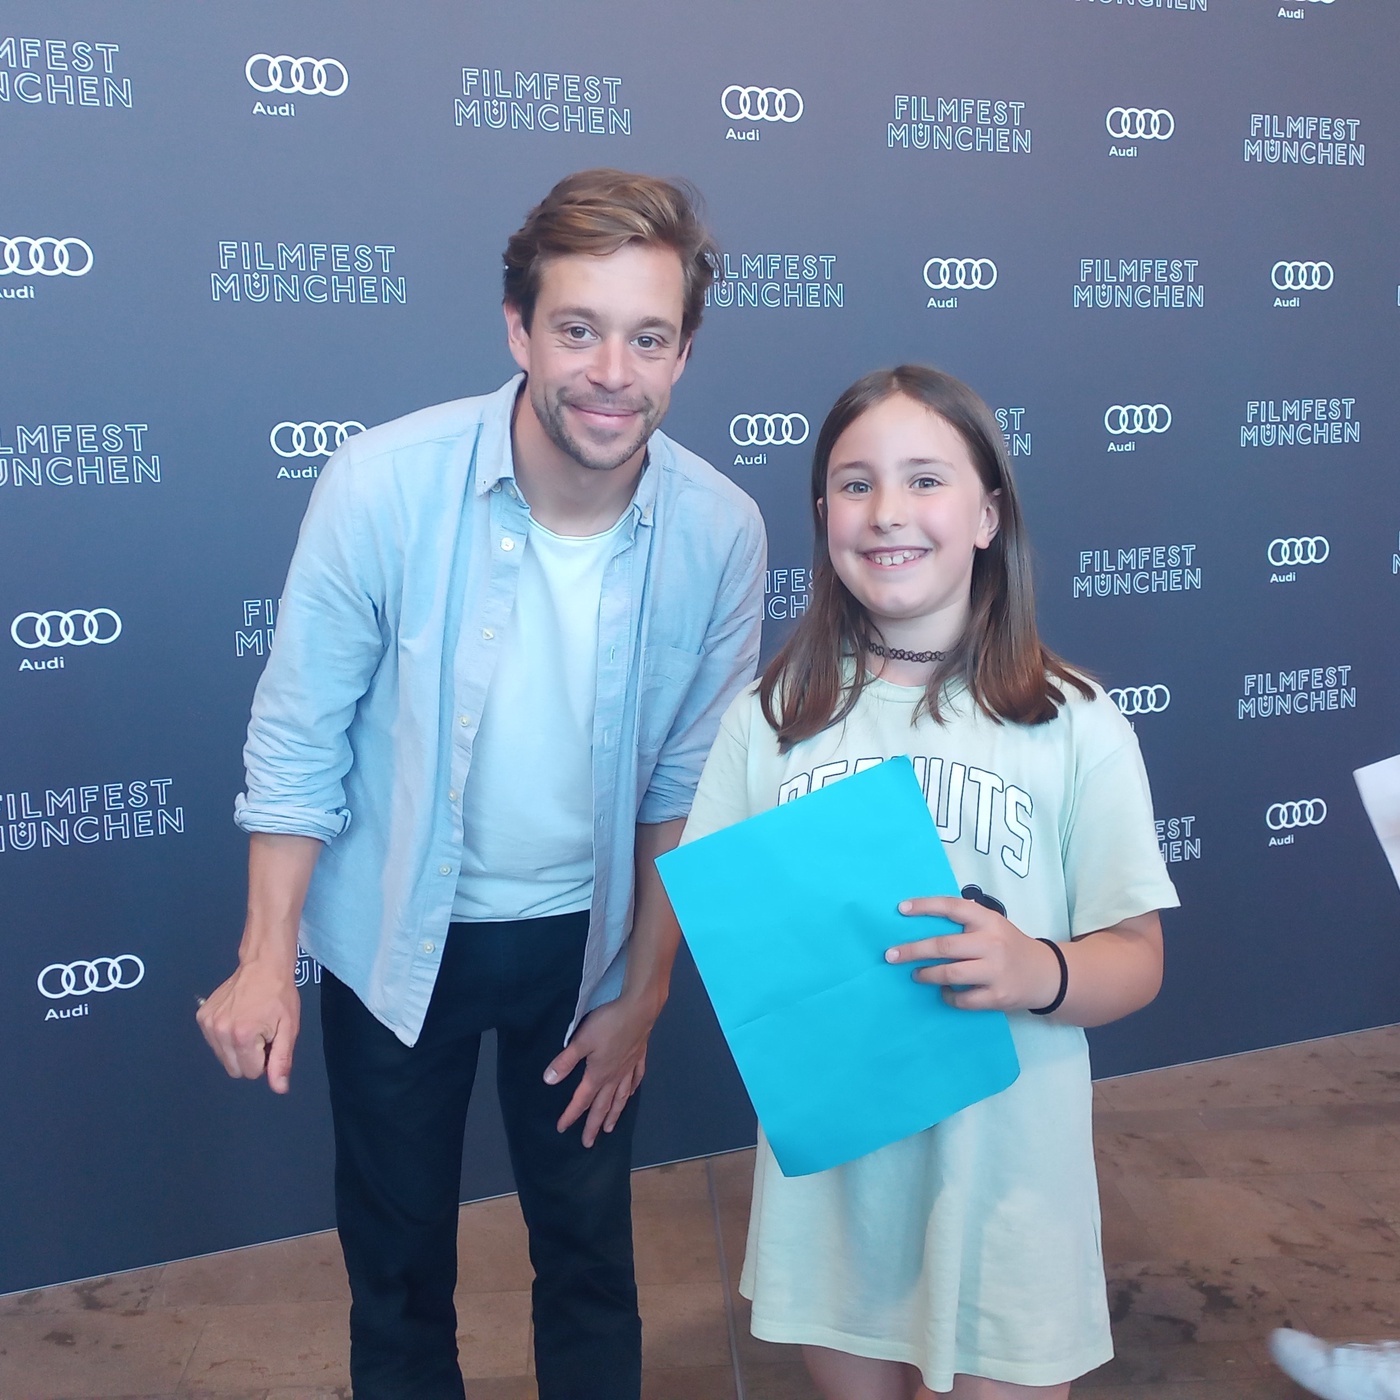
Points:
x=966 y=1258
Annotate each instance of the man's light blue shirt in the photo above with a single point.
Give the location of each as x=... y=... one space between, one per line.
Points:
x=363 y=722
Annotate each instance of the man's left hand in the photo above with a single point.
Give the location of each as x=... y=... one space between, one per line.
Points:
x=612 y=1041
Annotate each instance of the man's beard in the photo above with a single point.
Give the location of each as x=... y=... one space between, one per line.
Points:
x=550 y=414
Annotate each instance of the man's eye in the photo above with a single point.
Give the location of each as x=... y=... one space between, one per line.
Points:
x=648 y=342
x=576 y=332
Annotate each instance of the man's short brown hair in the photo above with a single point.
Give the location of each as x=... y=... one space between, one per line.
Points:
x=597 y=212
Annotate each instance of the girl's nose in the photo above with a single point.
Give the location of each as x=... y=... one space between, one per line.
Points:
x=886 y=509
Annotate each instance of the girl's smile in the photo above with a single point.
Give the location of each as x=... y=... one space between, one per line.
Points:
x=887 y=559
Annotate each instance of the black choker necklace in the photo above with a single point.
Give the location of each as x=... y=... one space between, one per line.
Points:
x=899 y=654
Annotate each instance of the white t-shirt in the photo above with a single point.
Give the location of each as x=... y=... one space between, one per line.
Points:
x=973 y=1246
x=527 y=805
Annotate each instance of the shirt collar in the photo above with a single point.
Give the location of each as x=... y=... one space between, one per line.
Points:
x=496 y=462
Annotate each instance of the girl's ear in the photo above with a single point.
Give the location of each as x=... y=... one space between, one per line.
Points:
x=991 y=519
x=821 y=507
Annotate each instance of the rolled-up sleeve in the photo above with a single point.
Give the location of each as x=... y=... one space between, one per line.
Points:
x=727 y=663
x=327 y=645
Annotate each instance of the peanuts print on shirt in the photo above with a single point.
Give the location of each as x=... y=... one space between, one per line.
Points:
x=965 y=800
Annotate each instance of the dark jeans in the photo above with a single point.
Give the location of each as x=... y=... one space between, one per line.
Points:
x=399 y=1115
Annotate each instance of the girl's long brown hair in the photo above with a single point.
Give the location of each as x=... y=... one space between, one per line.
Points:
x=1009 y=673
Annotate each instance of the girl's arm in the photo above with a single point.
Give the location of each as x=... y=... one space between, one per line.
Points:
x=1112 y=972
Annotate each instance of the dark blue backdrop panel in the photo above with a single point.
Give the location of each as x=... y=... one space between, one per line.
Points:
x=1157 y=236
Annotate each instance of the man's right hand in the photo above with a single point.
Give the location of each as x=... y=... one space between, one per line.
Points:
x=251 y=1023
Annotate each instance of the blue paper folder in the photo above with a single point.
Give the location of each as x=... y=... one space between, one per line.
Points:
x=788 y=915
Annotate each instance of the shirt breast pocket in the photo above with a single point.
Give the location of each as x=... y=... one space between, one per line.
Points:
x=667 y=673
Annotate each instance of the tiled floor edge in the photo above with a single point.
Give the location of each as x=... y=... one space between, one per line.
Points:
x=1235 y=1054
x=310 y=1234
x=730 y=1321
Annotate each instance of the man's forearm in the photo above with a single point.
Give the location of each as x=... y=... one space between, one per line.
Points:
x=279 y=872
x=655 y=933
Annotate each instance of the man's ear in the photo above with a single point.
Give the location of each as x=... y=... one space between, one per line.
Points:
x=517 y=337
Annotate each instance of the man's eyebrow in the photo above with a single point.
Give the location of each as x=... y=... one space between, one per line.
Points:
x=587 y=313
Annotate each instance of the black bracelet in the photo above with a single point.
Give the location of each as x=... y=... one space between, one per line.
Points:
x=1064 y=980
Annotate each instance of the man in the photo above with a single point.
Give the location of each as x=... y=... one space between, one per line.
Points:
x=509 y=630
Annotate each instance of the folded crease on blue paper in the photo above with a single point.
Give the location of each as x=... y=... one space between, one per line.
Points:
x=788 y=916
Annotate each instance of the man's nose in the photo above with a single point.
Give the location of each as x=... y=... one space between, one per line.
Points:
x=609 y=367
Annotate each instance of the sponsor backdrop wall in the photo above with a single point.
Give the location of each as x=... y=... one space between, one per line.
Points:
x=1158 y=235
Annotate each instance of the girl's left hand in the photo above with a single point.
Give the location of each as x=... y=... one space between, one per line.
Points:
x=993 y=965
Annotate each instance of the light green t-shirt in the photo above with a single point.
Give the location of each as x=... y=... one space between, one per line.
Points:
x=972 y=1247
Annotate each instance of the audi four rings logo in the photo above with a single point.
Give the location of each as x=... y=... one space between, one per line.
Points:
x=1284 y=816
x=311 y=439
x=768 y=429
x=761 y=104
x=1138 y=418
x=326 y=76
x=960 y=274
x=1312 y=550
x=77 y=979
x=48 y=257
x=100 y=627
x=1141 y=699
x=1302 y=276
x=1139 y=124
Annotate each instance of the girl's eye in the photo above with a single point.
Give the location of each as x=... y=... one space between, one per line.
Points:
x=856 y=488
x=926 y=481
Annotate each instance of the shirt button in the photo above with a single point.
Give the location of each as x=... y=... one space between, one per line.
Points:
x=452 y=796
x=429 y=945
x=444 y=870
x=507 y=544
x=496 y=486
x=487 y=633
x=464 y=720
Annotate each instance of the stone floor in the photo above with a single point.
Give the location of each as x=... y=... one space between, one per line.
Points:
x=1238 y=1195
